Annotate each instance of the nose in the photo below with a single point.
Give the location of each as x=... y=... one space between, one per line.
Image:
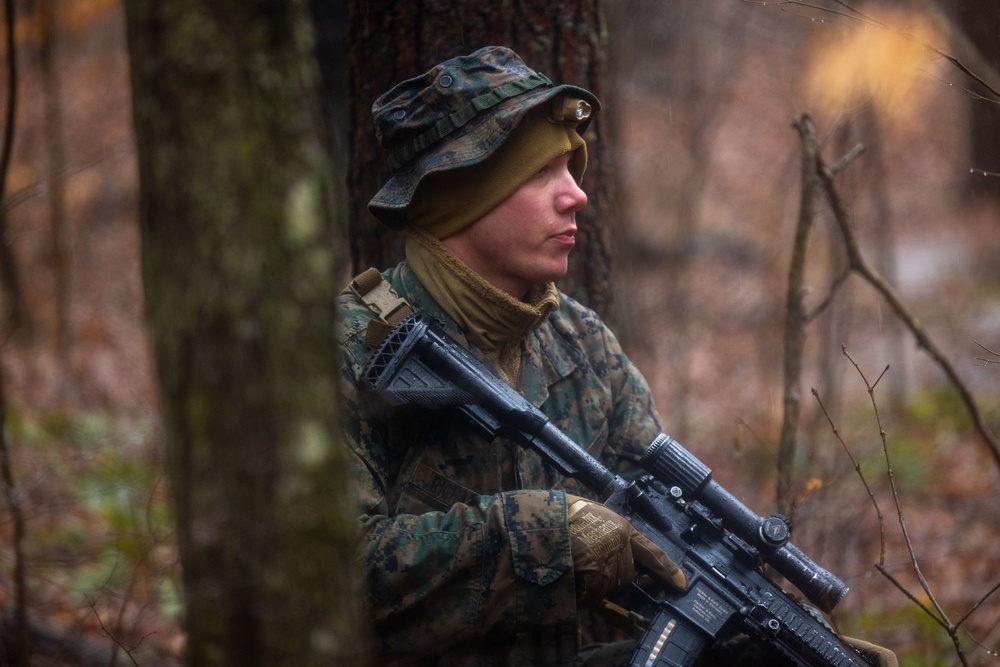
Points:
x=571 y=196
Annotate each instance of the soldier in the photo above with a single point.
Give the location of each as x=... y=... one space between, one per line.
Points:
x=475 y=552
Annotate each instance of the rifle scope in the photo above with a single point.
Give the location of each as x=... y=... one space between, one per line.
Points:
x=673 y=465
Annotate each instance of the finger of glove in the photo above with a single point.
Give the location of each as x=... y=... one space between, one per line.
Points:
x=657 y=563
x=882 y=656
x=597 y=583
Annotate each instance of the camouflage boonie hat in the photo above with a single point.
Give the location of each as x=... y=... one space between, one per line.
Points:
x=455 y=115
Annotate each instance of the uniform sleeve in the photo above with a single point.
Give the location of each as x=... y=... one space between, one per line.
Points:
x=634 y=423
x=495 y=565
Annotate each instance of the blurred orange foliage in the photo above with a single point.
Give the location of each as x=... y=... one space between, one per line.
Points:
x=885 y=63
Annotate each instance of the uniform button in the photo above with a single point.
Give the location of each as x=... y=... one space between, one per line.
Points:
x=399 y=115
x=445 y=81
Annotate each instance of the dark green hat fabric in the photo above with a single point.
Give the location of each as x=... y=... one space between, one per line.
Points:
x=455 y=115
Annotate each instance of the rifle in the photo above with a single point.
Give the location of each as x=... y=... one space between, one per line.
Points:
x=721 y=545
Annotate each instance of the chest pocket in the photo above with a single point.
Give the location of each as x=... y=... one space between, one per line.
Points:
x=442 y=462
x=429 y=490
x=446 y=462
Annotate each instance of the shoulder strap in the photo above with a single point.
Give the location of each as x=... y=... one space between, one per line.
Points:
x=376 y=293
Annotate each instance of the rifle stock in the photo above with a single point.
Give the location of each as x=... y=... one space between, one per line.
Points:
x=720 y=544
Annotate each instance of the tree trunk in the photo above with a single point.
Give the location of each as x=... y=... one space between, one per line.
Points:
x=239 y=271
x=392 y=41
x=62 y=245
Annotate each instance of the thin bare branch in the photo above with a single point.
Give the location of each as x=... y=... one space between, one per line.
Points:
x=892 y=486
x=952 y=630
x=784 y=5
x=986 y=361
x=847 y=159
x=913 y=598
x=980 y=603
x=971 y=93
x=828 y=299
x=110 y=635
x=861 y=476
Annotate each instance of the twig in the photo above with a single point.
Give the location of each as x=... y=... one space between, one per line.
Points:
x=973 y=95
x=986 y=361
x=828 y=299
x=847 y=159
x=112 y=637
x=952 y=630
x=861 y=476
x=978 y=604
x=851 y=14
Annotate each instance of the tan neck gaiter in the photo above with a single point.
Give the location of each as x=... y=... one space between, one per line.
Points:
x=492 y=319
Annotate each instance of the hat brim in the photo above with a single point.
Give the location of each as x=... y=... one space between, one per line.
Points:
x=473 y=143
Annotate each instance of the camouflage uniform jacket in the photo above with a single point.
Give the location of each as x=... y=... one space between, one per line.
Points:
x=460 y=567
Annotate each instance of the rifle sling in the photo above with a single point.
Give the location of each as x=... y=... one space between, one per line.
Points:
x=379 y=296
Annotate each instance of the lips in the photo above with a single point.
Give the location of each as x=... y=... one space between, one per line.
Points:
x=566 y=236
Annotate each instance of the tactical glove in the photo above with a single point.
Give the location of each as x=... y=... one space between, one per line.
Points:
x=876 y=655
x=605 y=550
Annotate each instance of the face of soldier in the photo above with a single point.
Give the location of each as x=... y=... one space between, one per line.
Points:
x=526 y=239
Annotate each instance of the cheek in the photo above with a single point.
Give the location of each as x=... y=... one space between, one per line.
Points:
x=498 y=244
x=508 y=235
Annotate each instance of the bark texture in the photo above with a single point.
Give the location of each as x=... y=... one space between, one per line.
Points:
x=239 y=271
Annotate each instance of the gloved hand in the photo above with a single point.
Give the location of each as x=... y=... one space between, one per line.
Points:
x=605 y=550
x=877 y=655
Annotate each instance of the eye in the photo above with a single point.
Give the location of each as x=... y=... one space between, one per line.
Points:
x=543 y=171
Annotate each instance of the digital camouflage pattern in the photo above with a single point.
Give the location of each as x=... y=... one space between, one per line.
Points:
x=466 y=552
x=455 y=115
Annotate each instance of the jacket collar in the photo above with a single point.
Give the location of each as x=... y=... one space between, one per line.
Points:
x=551 y=358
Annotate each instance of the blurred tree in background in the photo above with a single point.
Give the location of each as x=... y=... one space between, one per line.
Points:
x=240 y=267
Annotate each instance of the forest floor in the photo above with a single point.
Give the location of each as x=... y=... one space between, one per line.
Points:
x=710 y=189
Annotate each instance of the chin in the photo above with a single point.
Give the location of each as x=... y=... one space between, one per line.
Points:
x=550 y=273
x=552 y=278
